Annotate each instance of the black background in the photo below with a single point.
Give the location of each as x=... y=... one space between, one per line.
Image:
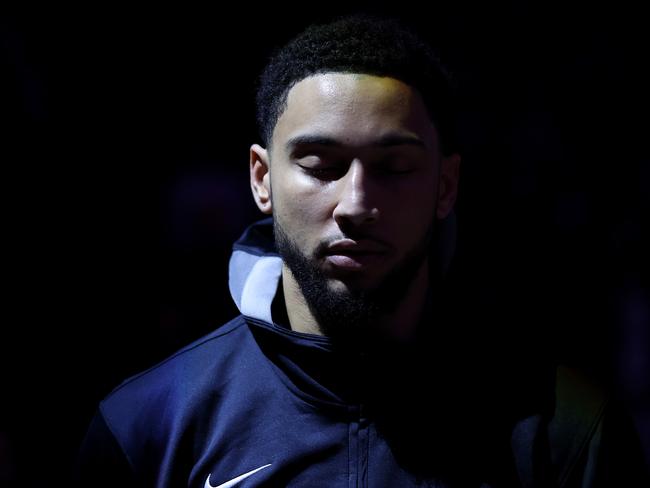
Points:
x=125 y=139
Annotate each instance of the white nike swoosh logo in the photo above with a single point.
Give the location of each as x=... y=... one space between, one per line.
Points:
x=234 y=481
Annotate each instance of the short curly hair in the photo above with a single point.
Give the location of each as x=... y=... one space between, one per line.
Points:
x=359 y=44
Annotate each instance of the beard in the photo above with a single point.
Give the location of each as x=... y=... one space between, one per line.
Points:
x=348 y=314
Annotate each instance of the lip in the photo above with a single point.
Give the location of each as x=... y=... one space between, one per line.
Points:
x=360 y=246
x=354 y=255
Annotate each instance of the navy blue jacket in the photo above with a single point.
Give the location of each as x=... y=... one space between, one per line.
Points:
x=257 y=404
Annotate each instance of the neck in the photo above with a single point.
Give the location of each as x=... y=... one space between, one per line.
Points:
x=400 y=324
x=300 y=317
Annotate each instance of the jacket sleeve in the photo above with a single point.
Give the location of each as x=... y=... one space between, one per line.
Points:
x=101 y=462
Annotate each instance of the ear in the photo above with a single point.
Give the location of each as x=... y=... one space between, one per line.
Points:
x=448 y=185
x=260 y=177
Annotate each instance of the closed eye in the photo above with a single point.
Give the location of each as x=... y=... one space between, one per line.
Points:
x=396 y=171
x=397 y=167
x=323 y=173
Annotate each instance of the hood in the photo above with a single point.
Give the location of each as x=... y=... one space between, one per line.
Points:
x=255 y=266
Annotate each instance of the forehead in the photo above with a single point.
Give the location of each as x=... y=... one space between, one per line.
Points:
x=354 y=109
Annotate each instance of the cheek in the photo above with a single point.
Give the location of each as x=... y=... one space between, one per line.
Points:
x=412 y=214
x=299 y=202
x=413 y=199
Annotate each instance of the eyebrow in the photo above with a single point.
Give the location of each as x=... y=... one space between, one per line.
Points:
x=388 y=140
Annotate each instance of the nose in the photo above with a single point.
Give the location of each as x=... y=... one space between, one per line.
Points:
x=354 y=204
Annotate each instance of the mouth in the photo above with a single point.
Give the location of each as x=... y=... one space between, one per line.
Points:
x=354 y=255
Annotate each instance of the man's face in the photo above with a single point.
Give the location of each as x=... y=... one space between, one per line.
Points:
x=353 y=178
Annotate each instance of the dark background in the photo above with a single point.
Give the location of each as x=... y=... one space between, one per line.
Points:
x=125 y=139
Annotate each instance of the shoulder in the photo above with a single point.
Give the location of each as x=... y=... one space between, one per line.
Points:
x=579 y=405
x=156 y=398
x=189 y=363
x=591 y=436
x=574 y=429
x=580 y=436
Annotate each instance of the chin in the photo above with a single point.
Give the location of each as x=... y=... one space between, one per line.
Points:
x=352 y=284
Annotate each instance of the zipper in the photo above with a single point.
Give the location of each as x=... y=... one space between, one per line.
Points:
x=364 y=448
x=363 y=422
x=353 y=448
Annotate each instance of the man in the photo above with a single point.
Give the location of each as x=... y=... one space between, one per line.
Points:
x=337 y=372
